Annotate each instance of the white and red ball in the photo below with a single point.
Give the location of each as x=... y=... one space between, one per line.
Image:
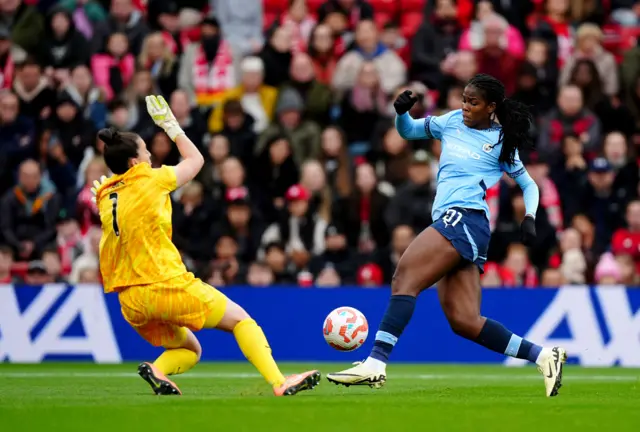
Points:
x=345 y=329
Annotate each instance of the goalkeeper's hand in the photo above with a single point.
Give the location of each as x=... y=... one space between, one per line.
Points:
x=159 y=110
x=96 y=186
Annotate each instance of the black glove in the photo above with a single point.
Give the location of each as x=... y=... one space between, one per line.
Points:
x=404 y=102
x=528 y=230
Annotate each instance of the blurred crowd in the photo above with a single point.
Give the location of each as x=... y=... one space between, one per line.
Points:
x=306 y=181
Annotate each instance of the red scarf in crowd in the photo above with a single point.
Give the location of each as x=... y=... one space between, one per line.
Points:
x=6 y=74
x=300 y=32
x=213 y=79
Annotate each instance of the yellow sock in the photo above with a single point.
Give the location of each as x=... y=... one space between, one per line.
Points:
x=176 y=361
x=255 y=348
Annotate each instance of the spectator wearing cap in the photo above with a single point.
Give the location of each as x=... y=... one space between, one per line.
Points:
x=434 y=45
x=10 y=56
x=257 y=99
x=123 y=18
x=589 y=46
x=569 y=118
x=412 y=202
x=24 y=22
x=241 y=22
x=33 y=90
x=362 y=213
x=387 y=258
x=600 y=203
x=37 y=274
x=192 y=217
x=208 y=68
x=86 y=14
x=304 y=135
x=28 y=219
x=336 y=253
x=63 y=47
x=391 y=68
x=364 y=105
x=626 y=240
x=301 y=231
x=242 y=222
x=162 y=63
x=17 y=139
x=317 y=96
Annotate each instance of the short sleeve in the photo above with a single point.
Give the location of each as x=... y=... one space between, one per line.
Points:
x=516 y=170
x=165 y=178
x=434 y=126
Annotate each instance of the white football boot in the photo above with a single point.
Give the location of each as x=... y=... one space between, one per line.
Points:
x=550 y=362
x=370 y=372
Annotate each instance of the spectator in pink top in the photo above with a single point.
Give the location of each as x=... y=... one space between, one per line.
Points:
x=474 y=38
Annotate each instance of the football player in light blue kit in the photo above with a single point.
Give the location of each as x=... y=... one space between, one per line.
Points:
x=476 y=150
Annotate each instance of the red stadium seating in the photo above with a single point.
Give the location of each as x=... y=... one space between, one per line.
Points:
x=388 y=7
x=272 y=9
x=412 y=5
x=409 y=23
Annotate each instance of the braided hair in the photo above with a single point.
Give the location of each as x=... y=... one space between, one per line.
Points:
x=514 y=117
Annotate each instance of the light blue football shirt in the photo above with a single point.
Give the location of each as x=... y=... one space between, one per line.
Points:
x=468 y=164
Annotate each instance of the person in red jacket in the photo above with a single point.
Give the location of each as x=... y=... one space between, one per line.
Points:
x=626 y=241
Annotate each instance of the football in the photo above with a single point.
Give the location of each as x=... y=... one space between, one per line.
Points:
x=345 y=329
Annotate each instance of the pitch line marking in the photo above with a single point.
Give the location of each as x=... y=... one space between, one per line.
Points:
x=231 y=375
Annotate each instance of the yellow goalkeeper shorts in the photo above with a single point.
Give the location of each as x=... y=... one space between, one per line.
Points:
x=159 y=312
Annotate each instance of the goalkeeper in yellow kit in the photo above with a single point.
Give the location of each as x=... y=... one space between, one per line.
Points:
x=164 y=302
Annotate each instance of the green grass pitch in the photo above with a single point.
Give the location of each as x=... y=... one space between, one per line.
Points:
x=232 y=397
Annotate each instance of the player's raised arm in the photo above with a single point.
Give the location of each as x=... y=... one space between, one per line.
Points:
x=408 y=127
x=192 y=159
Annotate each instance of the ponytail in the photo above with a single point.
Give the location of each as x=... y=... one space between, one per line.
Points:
x=516 y=121
x=514 y=117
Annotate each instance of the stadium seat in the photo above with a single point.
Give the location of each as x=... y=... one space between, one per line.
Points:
x=272 y=9
x=412 y=5
x=409 y=23
x=388 y=7
x=314 y=5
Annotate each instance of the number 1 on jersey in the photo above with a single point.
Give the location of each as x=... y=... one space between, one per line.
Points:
x=114 y=199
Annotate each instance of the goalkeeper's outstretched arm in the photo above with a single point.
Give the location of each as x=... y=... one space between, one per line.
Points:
x=192 y=159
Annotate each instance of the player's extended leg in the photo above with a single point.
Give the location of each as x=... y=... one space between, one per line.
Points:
x=427 y=259
x=254 y=346
x=182 y=352
x=460 y=296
